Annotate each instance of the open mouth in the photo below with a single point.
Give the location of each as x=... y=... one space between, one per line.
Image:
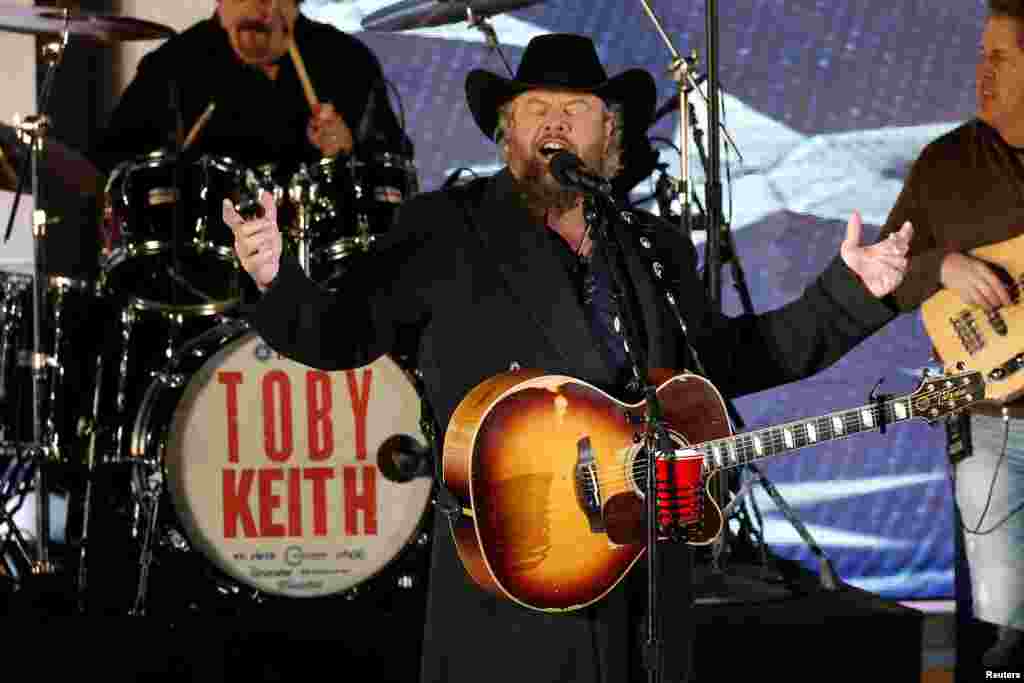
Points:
x=254 y=26
x=551 y=147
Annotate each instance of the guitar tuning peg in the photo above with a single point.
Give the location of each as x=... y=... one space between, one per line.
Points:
x=873 y=396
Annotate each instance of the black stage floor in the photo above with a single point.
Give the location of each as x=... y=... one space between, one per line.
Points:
x=745 y=625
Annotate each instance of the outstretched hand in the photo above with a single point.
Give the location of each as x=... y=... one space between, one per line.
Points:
x=880 y=266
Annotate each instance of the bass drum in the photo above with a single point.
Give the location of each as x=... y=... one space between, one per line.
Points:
x=272 y=466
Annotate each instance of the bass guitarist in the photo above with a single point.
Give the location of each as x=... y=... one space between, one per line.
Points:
x=965 y=191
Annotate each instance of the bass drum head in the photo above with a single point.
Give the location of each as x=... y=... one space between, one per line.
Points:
x=272 y=469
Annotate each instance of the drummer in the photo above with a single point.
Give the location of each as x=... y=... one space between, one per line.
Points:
x=237 y=68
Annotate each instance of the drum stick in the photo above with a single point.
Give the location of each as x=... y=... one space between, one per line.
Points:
x=300 y=69
x=198 y=126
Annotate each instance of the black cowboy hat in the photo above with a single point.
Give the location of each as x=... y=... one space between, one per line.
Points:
x=562 y=61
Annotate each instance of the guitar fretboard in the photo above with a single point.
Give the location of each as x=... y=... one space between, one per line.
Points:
x=750 y=446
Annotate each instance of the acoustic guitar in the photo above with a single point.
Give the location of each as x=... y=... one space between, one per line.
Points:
x=550 y=473
x=968 y=337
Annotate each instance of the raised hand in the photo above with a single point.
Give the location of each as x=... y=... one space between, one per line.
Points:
x=328 y=132
x=880 y=266
x=258 y=241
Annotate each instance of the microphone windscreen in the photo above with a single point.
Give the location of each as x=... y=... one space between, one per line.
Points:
x=562 y=162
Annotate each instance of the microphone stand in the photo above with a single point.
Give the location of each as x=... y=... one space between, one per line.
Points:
x=679 y=69
x=601 y=213
x=480 y=23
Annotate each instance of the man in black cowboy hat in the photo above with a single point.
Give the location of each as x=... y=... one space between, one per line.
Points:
x=505 y=272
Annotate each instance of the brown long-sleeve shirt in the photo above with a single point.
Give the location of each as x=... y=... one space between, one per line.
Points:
x=965 y=190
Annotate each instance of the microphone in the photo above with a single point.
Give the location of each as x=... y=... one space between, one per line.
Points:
x=401 y=459
x=567 y=168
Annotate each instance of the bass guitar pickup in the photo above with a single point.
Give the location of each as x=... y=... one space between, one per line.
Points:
x=1001 y=372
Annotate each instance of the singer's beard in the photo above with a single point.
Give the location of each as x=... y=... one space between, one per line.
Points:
x=540 y=191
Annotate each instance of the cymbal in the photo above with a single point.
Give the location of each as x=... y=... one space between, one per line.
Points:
x=410 y=14
x=98 y=27
x=59 y=164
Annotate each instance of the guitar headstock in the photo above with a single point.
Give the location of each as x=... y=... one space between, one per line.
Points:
x=947 y=394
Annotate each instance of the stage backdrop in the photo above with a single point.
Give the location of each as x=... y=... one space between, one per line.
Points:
x=828 y=103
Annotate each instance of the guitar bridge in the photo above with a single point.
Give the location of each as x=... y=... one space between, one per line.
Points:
x=967 y=330
x=588 y=486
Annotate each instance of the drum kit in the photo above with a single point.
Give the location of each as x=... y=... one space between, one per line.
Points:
x=145 y=428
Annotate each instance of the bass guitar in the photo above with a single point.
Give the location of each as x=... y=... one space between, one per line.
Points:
x=968 y=337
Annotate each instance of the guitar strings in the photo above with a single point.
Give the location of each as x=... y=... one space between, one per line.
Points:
x=744 y=450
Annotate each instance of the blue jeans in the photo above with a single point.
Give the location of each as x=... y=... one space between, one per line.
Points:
x=993 y=519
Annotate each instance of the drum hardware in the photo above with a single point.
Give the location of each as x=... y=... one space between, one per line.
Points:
x=87 y=428
x=186 y=285
x=101 y=28
x=303 y=194
x=35 y=129
x=401 y=459
x=149 y=490
x=149 y=335
x=61 y=166
x=14 y=486
x=412 y=14
x=163 y=240
x=345 y=203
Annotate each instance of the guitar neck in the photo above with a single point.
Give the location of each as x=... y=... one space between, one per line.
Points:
x=748 y=447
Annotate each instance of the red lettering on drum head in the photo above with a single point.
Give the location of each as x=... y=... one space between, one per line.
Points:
x=365 y=501
x=360 y=403
x=231 y=380
x=270 y=502
x=319 y=477
x=284 y=395
x=294 y=501
x=321 y=441
x=235 y=495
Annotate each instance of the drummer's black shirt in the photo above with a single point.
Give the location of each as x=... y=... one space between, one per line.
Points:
x=257 y=121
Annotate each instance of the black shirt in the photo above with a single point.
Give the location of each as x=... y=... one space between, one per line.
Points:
x=592 y=279
x=256 y=120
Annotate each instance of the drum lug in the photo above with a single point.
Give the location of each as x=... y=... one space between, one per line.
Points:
x=174 y=380
x=36 y=361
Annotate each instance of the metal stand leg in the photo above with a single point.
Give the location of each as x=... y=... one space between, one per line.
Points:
x=150 y=504
x=90 y=429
